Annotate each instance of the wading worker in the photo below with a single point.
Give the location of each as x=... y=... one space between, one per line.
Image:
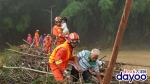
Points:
x=83 y=62
x=61 y=55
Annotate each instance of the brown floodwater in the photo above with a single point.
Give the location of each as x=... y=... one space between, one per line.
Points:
x=135 y=57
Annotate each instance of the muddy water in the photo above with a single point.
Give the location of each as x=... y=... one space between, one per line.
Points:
x=136 y=57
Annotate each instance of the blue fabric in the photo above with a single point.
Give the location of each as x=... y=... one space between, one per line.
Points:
x=41 y=40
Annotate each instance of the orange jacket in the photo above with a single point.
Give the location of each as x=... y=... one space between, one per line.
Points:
x=61 y=55
x=57 y=31
x=36 y=35
x=47 y=43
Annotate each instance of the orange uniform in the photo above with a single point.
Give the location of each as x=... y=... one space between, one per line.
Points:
x=59 y=59
x=57 y=32
x=37 y=39
x=48 y=46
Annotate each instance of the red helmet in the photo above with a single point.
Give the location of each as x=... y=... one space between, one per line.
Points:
x=58 y=19
x=73 y=37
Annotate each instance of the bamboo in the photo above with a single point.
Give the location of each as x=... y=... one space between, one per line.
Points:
x=121 y=29
x=26 y=41
x=30 y=46
x=27 y=54
x=28 y=69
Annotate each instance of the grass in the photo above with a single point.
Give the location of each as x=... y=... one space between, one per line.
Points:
x=7 y=58
x=49 y=80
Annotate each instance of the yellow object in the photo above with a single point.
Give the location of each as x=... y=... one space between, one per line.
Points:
x=58 y=62
x=68 y=56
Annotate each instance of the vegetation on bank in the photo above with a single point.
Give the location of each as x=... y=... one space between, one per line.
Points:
x=95 y=21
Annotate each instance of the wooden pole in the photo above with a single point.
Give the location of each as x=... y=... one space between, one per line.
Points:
x=121 y=29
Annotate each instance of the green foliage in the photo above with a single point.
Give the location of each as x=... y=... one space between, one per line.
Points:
x=96 y=21
x=49 y=80
x=72 y=9
x=8 y=22
x=0 y=6
x=37 y=81
x=100 y=19
x=24 y=23
x=106 y=4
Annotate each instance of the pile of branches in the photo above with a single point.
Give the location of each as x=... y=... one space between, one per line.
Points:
x=29 y=64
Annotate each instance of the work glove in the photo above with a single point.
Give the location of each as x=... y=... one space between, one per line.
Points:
x=65 y=73
x=101 y=62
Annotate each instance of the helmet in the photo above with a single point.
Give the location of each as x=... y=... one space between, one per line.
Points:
x=58 y=19
x=73 y=37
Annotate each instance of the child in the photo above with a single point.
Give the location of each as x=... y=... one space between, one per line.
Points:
x=64 y=27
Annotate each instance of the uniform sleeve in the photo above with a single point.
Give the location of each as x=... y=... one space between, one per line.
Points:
x=55 y=32
x=61 y=52
x=96 y=67
x=58 y=59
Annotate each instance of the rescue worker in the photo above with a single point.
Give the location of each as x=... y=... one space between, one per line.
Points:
x=50 y=41
x=37 y=37
x=50 y=37
x=83 y=62
x=44 y=39
x=57 y=32
x=64 y=27
x=47 y=44
x=61 y=55
x=29 y=39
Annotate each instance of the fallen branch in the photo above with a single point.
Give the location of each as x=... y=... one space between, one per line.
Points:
x=27 y=54
x=28 y=69
x=26 y=41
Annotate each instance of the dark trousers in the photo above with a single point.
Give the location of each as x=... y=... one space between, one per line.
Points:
x=86 y=75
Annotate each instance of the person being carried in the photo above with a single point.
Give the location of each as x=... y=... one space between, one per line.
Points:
x=29 y=39
x=36 y=36
x=64 y=27
x=83 y=62
x=61 y=55
x=57 y=32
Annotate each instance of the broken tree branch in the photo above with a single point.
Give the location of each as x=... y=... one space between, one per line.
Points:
x=28 y=69
x=27 y=54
